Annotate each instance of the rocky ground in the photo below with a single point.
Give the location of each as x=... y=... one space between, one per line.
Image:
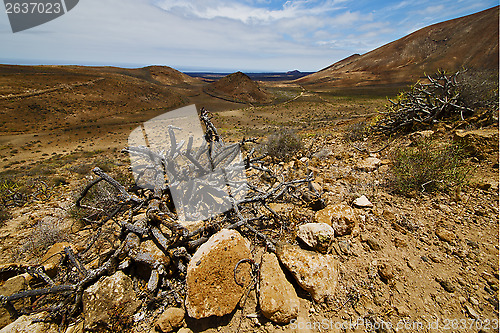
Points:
x=366 y=260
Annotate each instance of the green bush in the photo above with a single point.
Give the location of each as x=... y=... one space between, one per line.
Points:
x=428 y=167
x=283 y=144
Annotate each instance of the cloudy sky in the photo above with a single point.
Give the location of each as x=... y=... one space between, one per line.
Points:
x=223 y=35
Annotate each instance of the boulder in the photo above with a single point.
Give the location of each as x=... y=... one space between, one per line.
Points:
x=110 y=294
x=319 y=236
x=278 y=299
x=170 y=320
x=340 y=216
x=314 y=272
x=211 y=286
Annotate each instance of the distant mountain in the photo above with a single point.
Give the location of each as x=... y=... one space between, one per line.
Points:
x=238 y=87
x=470 y=41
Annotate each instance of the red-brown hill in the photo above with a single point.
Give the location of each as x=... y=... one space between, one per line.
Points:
x=34 y=98
x=470 y=41
x=238 y=87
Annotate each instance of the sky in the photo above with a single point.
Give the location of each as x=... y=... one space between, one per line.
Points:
x=223 y=35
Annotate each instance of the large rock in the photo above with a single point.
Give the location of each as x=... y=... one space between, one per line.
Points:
x=318 y=236
x=211 y=286
x=278 y=299
x=314 y=272
x=110 y=294
x=54 y=255
x=12 y=286
x=341 y=217
x=29 y=324
x=478 y=142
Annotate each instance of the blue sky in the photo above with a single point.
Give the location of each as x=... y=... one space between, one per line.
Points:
x=223 y=35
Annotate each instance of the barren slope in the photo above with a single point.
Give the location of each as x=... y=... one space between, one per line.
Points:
x=470 y=41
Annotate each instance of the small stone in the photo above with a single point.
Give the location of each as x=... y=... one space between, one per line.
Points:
x=417 y=136
x=388 y=215
x=471 y=311
x=323 y=153
x=445 y=235
x=184 y=330
x=403 y=310
x=315 y=187
x=446 y=284
x=192 y=225
x=318 y=236
x=314 y=272
x=385 y=271
x=400 y=242
x=363 y=202
x=281 y=208
x=170 y=319
x=369 y=164
x=277 y=298
x=473 y=301
x=435 y=257
x=340 y=216
x=373 y=244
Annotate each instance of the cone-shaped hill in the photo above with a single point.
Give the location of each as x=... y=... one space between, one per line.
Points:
x=238 y=87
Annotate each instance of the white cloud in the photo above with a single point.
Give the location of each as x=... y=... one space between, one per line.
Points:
x=235 y=35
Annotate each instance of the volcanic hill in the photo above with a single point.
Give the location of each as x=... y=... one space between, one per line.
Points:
x=470 y=41
x=238 y=87
x=33 y=98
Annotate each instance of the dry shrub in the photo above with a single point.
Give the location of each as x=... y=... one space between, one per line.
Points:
x=357 y=131
x=283 y=145
x=45 y=233
x=427 y=167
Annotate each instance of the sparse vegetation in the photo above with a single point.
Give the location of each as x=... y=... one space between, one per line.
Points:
x=283 y=144
x=44 y=234
x=357 y=131
x=427 y=167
